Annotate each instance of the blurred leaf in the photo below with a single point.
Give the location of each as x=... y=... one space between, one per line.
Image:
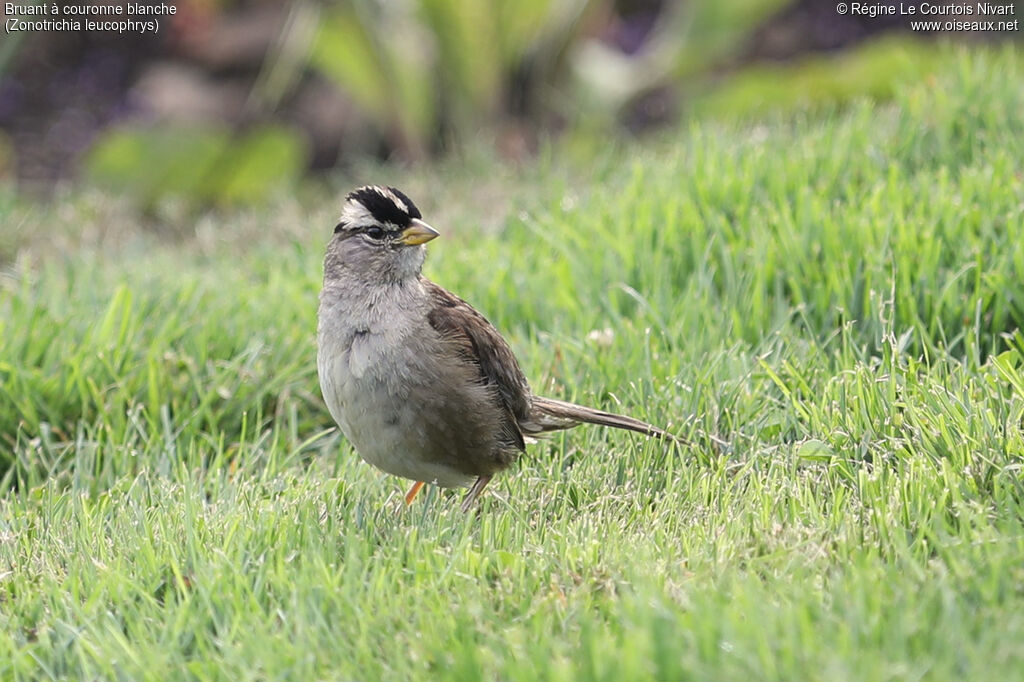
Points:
x=345 y=51
x=415 y=96
x=383 y=61
x=7 y=156
x=153 y=162
x=521 y=24
x=469 y=45
x=9 y=49
x=201 y=164
x=260 y=161
x=716 y=28
x=874 y=70
x=288 y=56
x=414 y=66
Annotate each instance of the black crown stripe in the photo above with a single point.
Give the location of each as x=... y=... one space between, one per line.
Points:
x=384 y=209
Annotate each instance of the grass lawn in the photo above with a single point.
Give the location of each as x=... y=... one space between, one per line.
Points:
x=838 y=296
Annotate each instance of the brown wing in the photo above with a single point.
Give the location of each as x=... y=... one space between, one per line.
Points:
x=479 y=343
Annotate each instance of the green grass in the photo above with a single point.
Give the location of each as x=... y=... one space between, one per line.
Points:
x=837 y=296
x=880 y=69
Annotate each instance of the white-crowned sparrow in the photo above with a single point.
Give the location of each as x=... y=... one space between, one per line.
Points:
x=422 y=384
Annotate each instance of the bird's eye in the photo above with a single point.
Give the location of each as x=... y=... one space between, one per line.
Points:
x=375 y=232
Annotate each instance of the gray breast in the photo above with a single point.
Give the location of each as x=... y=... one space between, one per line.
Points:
x=406 y=409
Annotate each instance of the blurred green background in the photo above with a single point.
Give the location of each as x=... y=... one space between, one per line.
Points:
x=232 y=100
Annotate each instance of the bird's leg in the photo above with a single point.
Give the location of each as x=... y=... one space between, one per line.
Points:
x=411 y=495
x=474 y=492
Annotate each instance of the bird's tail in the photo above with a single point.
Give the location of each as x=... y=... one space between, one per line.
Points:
x=549 y=414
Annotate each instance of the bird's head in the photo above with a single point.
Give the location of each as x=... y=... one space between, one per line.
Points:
x=379 y=237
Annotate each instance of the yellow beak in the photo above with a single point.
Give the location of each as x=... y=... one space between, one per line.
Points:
x=417 y=233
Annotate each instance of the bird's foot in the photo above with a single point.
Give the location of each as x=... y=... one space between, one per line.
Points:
x=474 y=492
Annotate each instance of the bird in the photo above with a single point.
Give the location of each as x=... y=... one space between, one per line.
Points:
x=419 y=382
